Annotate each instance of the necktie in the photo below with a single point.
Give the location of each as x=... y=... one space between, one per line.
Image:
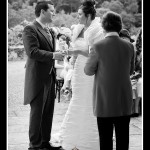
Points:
x=49 y=34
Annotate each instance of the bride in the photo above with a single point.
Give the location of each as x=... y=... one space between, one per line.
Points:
x=79 y=128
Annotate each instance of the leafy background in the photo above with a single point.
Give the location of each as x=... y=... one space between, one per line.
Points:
x=21 y=13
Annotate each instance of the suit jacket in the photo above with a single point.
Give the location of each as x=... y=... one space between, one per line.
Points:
x=112 y=62
x=39 y=65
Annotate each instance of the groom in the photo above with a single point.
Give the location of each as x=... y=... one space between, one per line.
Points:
x=39 y=90
x=112 y=63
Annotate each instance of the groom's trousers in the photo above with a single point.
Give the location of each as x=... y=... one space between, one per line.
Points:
x=41 y=115
x=105 y=128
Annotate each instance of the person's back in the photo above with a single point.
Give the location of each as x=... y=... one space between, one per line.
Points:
x=114 y=56
x=112 y=62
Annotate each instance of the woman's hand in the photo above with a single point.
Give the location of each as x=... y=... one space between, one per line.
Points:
x=76 y=52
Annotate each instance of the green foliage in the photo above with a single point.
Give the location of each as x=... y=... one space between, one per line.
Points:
x=128 y=10
x=138 y=20
x=134 y=30
x=31 y=2
x=16 y=53
x=27 y=13
x=139 y=6
x=65 y=7
x=13 y=17
x=101 y=11
x=16 y=17
x=132 y=7
x=21 y=13
x=16 y=5
x=15 y=35
x=105 y=4
x=116 y=6
x=19 y=1
x=15 y=43
x=66 y=19
x=58 y=21
x=55 y=2
x=128 y=20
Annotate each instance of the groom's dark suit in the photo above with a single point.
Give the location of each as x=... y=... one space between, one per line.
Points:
x=39 y=90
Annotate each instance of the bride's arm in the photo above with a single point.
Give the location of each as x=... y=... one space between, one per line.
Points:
x=76 y=52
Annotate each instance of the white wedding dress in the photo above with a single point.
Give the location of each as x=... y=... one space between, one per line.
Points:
x=79 y=128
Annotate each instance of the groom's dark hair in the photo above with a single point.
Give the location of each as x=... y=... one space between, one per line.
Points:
x=88 y=7
x=112 y=22
x=42 y=5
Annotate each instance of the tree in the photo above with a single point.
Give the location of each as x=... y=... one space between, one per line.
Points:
x=116 y=6
x=11 y=1
x=138 y=20
x=132 y=7
x=99 y=3
x=55 y=2
x=16 y=17
x=113 y=5
x=101 y=11
x=74 y=4
x=128 y=20
x=13 y=17
x=31 y=2
x=16 y=4
x=64 y=7
x=139 y=6
x=105 y=4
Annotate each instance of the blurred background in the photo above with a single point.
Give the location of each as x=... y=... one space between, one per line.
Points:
x=21 y=13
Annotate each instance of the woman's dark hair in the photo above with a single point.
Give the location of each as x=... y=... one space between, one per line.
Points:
x=42 y=5
x=88 y=7
x=112 y=22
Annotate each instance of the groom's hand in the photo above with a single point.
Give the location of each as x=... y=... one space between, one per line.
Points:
x=58 y=56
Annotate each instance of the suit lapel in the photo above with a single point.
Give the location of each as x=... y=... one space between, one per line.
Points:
x=42 y=31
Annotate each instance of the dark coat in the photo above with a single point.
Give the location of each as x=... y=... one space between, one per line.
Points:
x=39 y=65
x=111 y=62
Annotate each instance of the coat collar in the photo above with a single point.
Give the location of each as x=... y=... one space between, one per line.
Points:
x=111 y=34
x=42 y=25
x=40 y=28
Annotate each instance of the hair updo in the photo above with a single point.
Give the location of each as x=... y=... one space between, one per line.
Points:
x=88 y=7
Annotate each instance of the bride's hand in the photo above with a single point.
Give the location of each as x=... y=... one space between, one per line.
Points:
x=68 y=52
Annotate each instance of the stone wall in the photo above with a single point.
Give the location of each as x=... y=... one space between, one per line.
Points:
x=16 y=53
